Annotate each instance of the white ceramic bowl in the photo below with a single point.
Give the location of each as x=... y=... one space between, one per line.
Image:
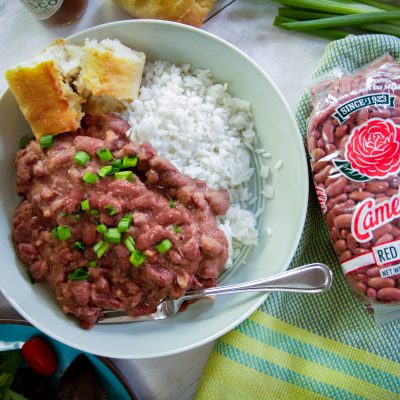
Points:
x=284 y=214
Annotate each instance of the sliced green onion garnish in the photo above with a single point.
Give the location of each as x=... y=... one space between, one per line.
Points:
x=80 y=274
x=117 y=164
x=164 y=246
x=81 y=157
x=100 y=248
x=24 y=141
x=112 y=236
x=78 y=245
x=90 y=177
x=128 y=175
x=171 y=203
x=129 y=162
x=31 y=280
x=105 y=154
x=54 y=232
x=102 y=228
x=177 y=229
x=92 y=264
x=94 y=211
x=61 y=232
x=104 y=171
x=130 y=244
x=45 y=142
x=125 y=223
x=111 y=210
x=137 y=258
x=85 y=205
x=75 y=215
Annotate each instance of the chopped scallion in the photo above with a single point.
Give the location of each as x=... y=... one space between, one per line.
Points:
x=85 y=205
x=78 y=245
x=80 y=274
x=129 y=162
x=24 y=141
x=75 y=215
x=177 y=229
x=117 y=164
x=112 y=236
x=137 y=258
x=104 y=171
x=164 y=246
x=102 y=229
x=81 y=157
x=92 y=264
x=171 y=203
x=31 y=280
x=61 y=232
x=125 y=223
x=94 y=211
x=90 y=177
x=111 y=210
x=45 y=142
x=130 y=244
x=128 y=175
x=100 y=248
x=105 y=154
x=54 y=233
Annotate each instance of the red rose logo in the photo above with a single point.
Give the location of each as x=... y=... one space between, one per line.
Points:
x=373 y=149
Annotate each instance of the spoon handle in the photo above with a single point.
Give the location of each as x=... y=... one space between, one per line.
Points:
x=311 y=278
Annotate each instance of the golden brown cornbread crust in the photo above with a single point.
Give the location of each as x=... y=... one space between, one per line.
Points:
x=45 y=100
x=189 y=12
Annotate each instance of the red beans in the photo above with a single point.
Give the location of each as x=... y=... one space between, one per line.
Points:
x=40 y=356
x=370 y=176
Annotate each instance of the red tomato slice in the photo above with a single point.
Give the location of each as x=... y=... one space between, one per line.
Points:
x=40 y=356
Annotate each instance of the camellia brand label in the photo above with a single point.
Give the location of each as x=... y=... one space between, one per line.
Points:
x=370 y=215
x=43 y=9
x=343 y=112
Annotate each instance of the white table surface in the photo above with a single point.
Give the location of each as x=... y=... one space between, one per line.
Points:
x=287 y=58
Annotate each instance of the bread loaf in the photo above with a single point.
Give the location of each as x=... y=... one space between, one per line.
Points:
x=190 y=12
x=52 y=88
x=46 y=101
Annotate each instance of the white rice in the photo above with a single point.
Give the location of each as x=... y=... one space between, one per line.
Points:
x=205 y=132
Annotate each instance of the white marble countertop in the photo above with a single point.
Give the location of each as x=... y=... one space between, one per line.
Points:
x=287 y=58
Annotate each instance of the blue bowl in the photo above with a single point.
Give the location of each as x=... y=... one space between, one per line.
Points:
x=109 y=376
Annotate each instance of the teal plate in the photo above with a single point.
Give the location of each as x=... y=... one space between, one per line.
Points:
x=109 y=376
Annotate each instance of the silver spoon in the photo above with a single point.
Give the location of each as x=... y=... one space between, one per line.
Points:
x=311 y=278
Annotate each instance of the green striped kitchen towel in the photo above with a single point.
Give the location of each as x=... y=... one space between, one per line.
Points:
x=311 y=347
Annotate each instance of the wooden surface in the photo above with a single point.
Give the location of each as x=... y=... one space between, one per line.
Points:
x=287 y=58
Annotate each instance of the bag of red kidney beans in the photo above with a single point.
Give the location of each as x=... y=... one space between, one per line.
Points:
x=353 y=139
